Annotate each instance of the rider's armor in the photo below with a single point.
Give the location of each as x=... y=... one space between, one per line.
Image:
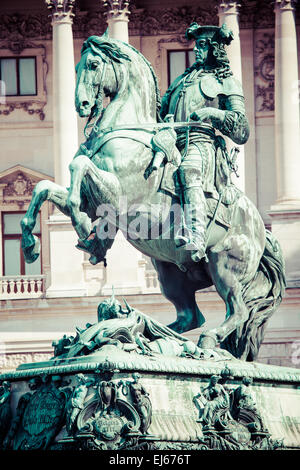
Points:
x=192 y=91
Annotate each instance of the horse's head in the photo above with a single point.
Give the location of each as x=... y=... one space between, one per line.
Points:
x=112 y=68
x=89 y=71
x=96 y=74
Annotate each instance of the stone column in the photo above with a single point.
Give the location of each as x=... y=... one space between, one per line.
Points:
x=65 y=260
x=287 y=139
x=125 y=265
x=64 y=113
x=285 y=213
x=228 y=12
x=117 y=18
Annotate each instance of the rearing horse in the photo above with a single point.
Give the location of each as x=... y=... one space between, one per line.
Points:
x=244 y=260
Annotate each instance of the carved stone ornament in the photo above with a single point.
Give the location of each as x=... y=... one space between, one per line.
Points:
x=116 y=8
x=40 y=415
x=229 y=417
x=17 y=184
x=115 y=416
x=16 y=188
x=131 y=331
x=61 y=9
x=5 y=409
x=264 y=71
x=20 y=186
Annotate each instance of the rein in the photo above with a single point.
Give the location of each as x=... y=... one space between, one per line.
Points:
x=155 y=127
x=99 y=99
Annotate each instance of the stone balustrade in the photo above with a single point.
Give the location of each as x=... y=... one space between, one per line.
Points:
x=21 y=287
x=152 y=284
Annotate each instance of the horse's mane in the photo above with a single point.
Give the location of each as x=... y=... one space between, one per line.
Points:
x=113 y=51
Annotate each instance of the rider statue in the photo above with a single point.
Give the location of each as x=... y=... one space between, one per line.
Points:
x=206 y=92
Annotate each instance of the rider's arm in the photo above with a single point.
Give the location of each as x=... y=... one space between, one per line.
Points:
x=230 y=118
x=235 y=123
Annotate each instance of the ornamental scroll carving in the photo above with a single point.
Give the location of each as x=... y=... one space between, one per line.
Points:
x=16 y=187
x=264 y=71
x=230 y=418
x=253 y=14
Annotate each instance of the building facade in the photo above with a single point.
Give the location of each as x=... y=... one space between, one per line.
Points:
x=40 y=132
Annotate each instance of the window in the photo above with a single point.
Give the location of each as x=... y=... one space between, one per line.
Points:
x=13 y=258
x=178 y=61
x=18 y=74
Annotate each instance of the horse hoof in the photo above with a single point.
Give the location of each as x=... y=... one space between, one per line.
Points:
x=31 y=248
x=207 y=341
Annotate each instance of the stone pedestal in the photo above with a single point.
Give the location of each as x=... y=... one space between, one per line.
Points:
x=102 y=403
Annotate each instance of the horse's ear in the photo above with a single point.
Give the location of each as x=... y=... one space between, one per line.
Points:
x=106 y=33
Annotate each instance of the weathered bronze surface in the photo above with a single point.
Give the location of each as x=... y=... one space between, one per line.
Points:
x=217 y=237
x=128 y=381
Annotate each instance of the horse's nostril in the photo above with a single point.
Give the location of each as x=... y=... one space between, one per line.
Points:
x=85 y=104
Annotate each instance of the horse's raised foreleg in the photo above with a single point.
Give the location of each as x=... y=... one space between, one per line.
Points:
x=44 y=190
x=106 y=190
x=225 y=272
x=180 y=290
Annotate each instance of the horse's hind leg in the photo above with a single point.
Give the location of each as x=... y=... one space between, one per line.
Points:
x=44 y=190
x=106 y=189
x=225 y=272
x=177 y=288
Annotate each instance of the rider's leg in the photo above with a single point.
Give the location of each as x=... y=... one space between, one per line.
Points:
x=195 y=213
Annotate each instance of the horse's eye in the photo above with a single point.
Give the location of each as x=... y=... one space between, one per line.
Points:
x=94 y=65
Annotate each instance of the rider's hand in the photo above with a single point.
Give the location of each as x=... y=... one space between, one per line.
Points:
x=194 y=117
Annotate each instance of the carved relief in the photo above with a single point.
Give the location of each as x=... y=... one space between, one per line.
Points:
x=20 y=186
x=16 y=187
x=17 y=27
x=5 y=409
x=230 y=418
x=39 y=416
x=115 y=416
x=264 y=71
x=170 y=20
x=17 y=184
x=253 y=14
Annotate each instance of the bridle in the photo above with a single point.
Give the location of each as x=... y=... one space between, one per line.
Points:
x=98 y=106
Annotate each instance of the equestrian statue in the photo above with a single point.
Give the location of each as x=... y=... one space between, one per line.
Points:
x=158 y=155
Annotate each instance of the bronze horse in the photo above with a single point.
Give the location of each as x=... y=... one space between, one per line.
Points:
x=244 y=261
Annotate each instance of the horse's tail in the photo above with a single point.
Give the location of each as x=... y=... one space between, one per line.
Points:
x=262 y=295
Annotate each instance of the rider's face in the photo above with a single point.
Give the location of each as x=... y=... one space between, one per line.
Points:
x=201 y=50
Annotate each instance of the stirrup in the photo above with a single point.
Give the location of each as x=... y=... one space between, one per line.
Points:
x=198 y=255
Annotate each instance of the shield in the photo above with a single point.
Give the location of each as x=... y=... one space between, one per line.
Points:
x=42 y=419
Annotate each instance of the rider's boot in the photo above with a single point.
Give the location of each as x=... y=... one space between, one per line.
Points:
x=194 y=232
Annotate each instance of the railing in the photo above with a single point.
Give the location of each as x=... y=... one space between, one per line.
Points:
x=152 y=284
x=21 y=287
